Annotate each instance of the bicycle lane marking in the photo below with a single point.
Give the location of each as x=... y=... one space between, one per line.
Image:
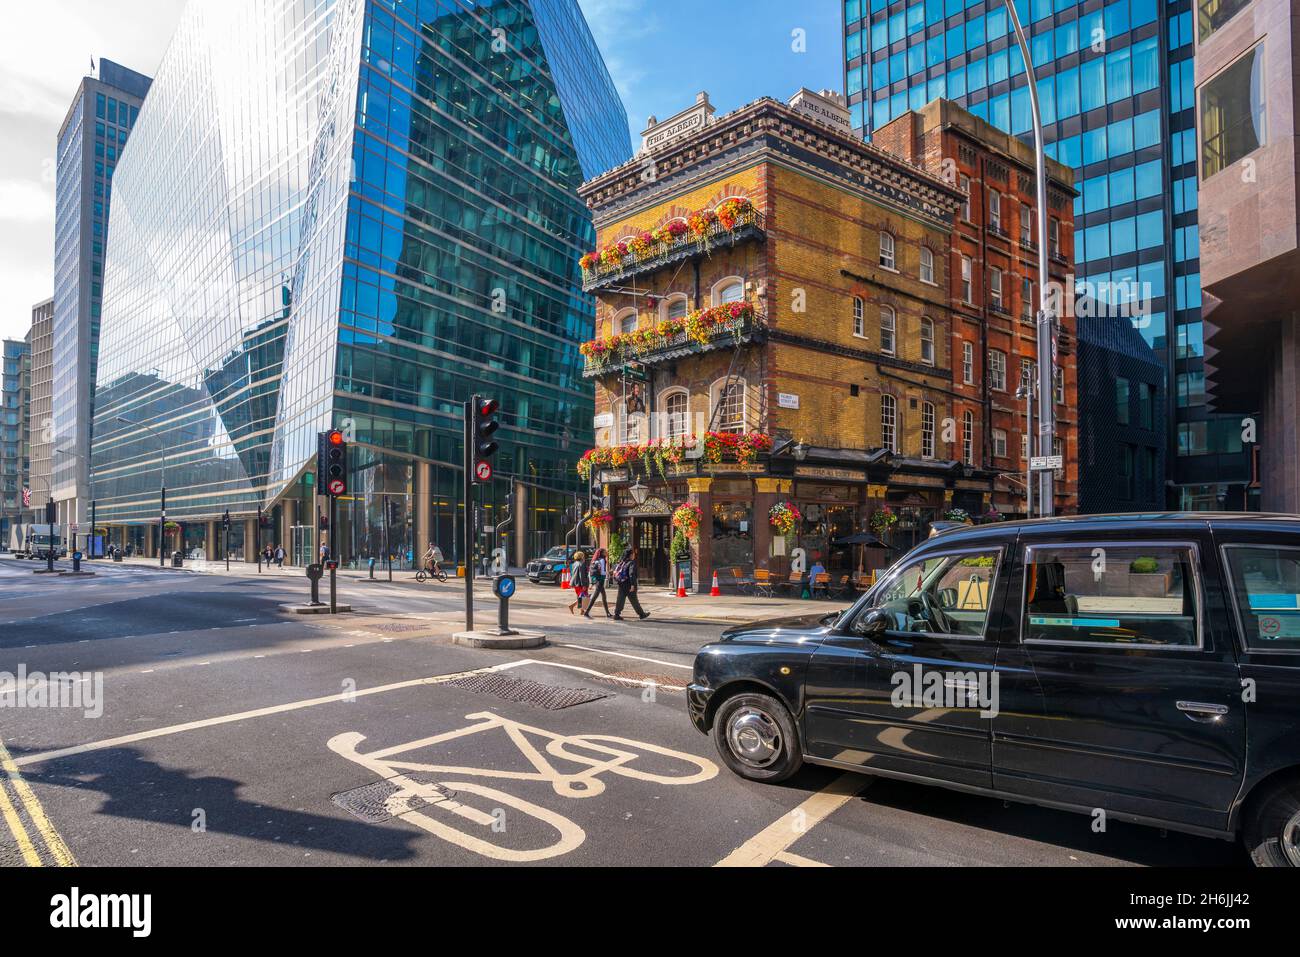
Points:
x=774 y=841
x=54 y=842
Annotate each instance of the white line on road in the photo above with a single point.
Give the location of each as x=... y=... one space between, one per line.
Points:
x=617 y=654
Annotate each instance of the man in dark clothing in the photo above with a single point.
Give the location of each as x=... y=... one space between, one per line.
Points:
x=625 y=577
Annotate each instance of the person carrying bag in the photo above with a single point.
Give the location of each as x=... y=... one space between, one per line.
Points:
x=625 y=578
x=596 y=572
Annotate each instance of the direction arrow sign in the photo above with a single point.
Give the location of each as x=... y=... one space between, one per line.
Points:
x=483 y=471
x=1046 y=463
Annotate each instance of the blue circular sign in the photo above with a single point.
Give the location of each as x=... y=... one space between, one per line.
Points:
x=504 y=586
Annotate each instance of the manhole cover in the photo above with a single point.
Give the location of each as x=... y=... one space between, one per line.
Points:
x=367 y=802
x=551 y=697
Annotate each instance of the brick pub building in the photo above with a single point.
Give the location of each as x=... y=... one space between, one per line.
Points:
x=774 y=326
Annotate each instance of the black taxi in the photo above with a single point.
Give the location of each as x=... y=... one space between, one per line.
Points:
x=1144 y=666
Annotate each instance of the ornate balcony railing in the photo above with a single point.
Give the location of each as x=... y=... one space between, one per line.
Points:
x=672 y=339
x=748 y=224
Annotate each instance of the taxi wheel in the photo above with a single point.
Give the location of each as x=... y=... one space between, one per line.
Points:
x=1272 y=831
x=756 y=737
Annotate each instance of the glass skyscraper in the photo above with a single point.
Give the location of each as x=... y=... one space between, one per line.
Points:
x=1116 y=83
x=352 y=214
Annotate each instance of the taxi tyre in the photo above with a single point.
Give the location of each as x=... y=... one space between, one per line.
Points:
x=767 y=725
x=1270 y=820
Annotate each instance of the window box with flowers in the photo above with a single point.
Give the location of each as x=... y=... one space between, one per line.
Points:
x=659 y=456
x=703 y=329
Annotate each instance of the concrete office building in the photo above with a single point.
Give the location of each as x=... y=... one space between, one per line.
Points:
x=90 y=144
x=15 y=374
x=40 y=416
x=353 y=214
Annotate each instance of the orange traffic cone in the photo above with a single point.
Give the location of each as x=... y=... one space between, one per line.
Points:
x=564 y=578
x=681 y=584
x=715 y=591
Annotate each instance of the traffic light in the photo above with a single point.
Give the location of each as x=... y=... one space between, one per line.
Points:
x=479 y=461
x=332 y=463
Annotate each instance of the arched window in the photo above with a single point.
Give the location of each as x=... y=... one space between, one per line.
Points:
x=886 y=250
x=968 y=437
x=889 y=422
x=887 y=323
x=927 y=430
x=927 y=340
x=676 y=407
x=624 y=321
x=927 y=264
x=675 y=307
x=731 y=289
x=728 y=405
x=859 y=318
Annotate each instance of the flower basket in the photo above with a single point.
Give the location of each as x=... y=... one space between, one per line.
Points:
x=686 y=519
x=598 y=519
x=785 y=517
x=957 y=515
x=883 y=519
x=730 y=214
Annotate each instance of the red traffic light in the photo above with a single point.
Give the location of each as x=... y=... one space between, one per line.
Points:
x=336 y=437
x=487 y=407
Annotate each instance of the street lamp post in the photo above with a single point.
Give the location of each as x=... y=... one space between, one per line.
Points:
x=162 y=487
x=1026 y=392
x=1046 y=321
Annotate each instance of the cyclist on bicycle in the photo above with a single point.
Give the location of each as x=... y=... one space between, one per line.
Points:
x=433 y=559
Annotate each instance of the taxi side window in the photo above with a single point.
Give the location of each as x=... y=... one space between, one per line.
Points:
x=1266 y=592
x=943 y=594
x=1112 y=595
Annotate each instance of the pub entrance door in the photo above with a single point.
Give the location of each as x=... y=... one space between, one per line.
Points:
x=652 y=537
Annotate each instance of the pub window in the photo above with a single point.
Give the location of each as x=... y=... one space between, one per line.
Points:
x=968 y=363
x=968 y=437
x=859 y=320
x=886 y=250
x=889 y=422
x=675 y=308
x=729 y=405
x=676 y=414
x=887 y=324
x=927 y=264
x=728 y=290
x=927 y=340
x=927 y=430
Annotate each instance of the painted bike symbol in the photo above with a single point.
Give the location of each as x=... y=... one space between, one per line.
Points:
x=598 y=754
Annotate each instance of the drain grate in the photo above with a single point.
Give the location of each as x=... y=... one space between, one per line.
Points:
x=551 y=697
x=368 y=801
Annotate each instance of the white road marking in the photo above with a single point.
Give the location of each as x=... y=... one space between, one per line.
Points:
x=776 y=838
x=617 y=654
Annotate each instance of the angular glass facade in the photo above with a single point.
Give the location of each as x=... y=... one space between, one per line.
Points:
x=353 y=213
x=1116 y=84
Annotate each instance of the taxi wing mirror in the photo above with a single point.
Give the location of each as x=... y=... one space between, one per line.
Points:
x=873 y=623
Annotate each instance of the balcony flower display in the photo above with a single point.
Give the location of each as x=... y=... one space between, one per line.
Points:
x=657 y=456
x=687 y=518
x=730 y=214
x=785 y=517
x=700 y=326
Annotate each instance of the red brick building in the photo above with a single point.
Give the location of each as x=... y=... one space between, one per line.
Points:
x=994 y=285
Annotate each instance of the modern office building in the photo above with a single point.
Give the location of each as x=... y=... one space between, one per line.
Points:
x=1123 y=428
x=352 y=214
x=90 y=144
x=1246 y=64
x=15 y=375
x=1116 y=83
x=40 y=418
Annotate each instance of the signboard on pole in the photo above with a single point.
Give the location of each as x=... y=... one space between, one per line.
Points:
x=1046 y=463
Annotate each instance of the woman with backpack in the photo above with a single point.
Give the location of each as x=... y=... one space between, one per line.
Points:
x=625 y=578
x=596 y=572
x=580 y=579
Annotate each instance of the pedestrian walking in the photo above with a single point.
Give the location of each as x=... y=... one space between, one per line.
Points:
x=324 y=553
x=580 y=579
x=279 y=556
x=597 y=572
x=625 y=579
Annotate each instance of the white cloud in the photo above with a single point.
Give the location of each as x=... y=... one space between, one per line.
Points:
x=24 y=201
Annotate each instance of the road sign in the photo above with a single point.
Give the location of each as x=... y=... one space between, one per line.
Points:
x=1046 y=463
x=483 y=471
x=337 y=487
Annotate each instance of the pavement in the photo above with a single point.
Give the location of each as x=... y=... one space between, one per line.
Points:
x=210 y=727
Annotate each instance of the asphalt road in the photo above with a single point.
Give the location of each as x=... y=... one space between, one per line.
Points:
x=232 y=732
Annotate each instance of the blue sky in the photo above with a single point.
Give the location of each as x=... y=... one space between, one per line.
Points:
x=662 y=52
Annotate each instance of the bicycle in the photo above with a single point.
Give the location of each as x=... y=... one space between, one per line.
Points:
x=424 y=574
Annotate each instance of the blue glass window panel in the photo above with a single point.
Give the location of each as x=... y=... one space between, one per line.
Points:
x=897 y=27
x=1094 y=145
x=1117 y=18
x=976 y=75
x=898 y=104
x=915 y=18
x=1146 y=65
x=1063 y=5
x=1040 y=9
x=1121 y=137
x=1096 y=240
x=1067 y=38
x=1095 y=194
x=980 y=110
x=879 y=74
x=880 y=113
x=998 y=66
x=1142 y=11
x=880 y=35
x=1047 y=98
x=1123 y=236
x=1015 y=60
x=1092 y=84
x=1000 y=112
x=1051 y=149
x=1040 y=48
x=1185 y=195
x=957 y=39
x=898 y=66
x=1089 y=24
x=1146 y=129
x=1078 y=206
x=1118 y=76
x=1022 y=118
x=1070 y=151
x=1152 y=278
x=1121 y=186
x=1150 y=230
x=852 y=10
x=934 y=55
x=957 y=82
x=933 y=11
x=915 y=59
x=916 y=96
x=878 y=5
x=853 y=45
x=1146 y=179
x=855 y=80
x=1067 y=93
x=974 y=33
x=953 y=7
x=995 y=23
x=856 y=113
x=936 y=88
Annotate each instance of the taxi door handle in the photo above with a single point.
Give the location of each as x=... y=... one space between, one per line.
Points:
x=1201 y=711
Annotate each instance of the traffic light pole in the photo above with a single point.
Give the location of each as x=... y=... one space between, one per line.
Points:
x=333 y=559
x=470 y=413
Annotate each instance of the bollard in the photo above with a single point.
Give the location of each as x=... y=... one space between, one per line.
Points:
x=76 y=561
x=314 y=573
x=371 y=563
x=503 y=586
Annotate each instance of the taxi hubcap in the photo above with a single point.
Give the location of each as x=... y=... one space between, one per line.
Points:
x=754 y=737
x=1291 y=840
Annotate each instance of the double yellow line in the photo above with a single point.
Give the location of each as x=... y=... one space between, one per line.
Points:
x=26 y=800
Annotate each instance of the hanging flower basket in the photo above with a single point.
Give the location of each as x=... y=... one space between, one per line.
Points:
x=170 y=526
x=687 y=518
x=883 y=519
x=598 y=519
x=992 y=515
x=957 y=515
x=785 y=517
